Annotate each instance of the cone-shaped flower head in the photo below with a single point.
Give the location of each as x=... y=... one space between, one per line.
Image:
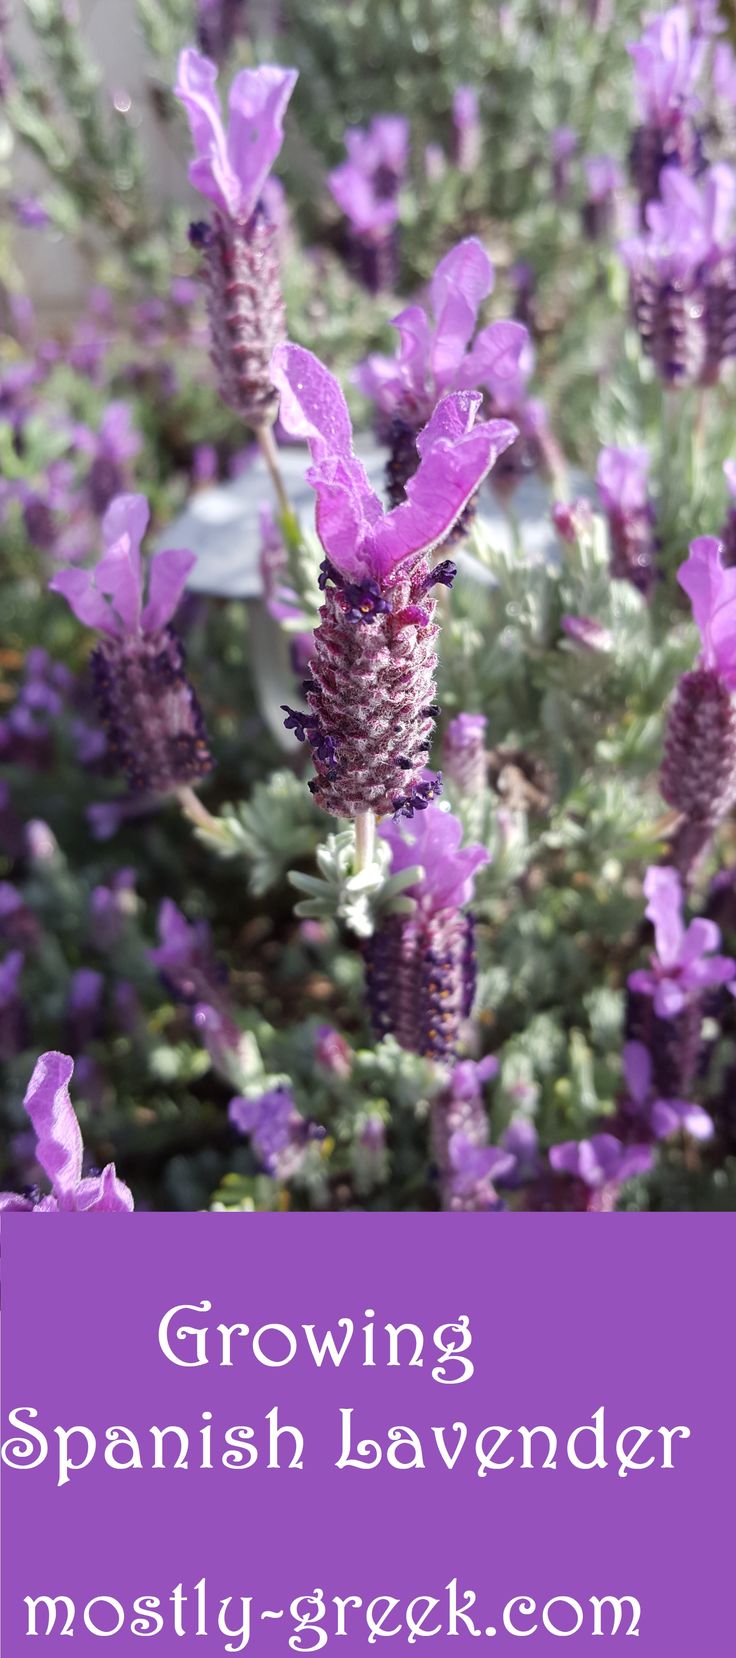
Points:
x=698 y=774
x=421 y=967
x=623 y=487
x=684 y=963
x=366 y=188
x=371 y=685
x=663 y=1117
x=59 y=1148
x=241 y=252
x=148 y=707
x=668 y=61
x=682 y=275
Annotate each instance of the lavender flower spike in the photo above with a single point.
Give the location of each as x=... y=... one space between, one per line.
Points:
x=464 y=754
x=683 y=276
x=241 y=256
x=668 y=60
x=698 y=775
x=370 y=690
x=59 y=1149
x=670 y=990
x=366 y=188
x=622 y=479
x=437 y=354
x=149 y=710
x=421 y=967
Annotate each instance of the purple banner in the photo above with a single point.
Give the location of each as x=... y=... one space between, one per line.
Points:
x=289 y=1433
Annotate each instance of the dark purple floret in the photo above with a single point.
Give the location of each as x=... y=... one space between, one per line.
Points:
x=150 y=712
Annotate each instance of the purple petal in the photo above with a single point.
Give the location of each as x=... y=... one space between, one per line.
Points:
x=50 y=1109
x=10 y=1201
x=495 y=356
x=637 y=1065
x=105 y=1194
x=258 y=100
x=448 y=477
x=84 y=601
x=663 y=890
x=415 y=344
x=669 y=999
x=312 y=403
x=461 y=281
x=211 y=171
x=712 y=593
x=166 y=583
x=127 y=515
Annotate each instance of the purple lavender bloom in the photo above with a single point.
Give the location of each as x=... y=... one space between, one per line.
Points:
x=366 y=188
x=572 y=519
x=603 y=1164
x=109 y=908
x=683 y=276
x=706 y=18
x=219 y=23
x=604 y=181
x=724 y=74
x=30 y=212
x=698 y=775
x=468 y=1165
x=464 y=753
x=371 y=683
x=84 y=1007
x=184 y=956
x=623 y=488
x=662 y=1117
x=280 y=1135
x=668 y=61
x=112 y=450
x=149 y=711
x=437 y=352
x=683 y=964
x=240 y=246
x=59 y=1149
x=421 y=967
x=468 y=129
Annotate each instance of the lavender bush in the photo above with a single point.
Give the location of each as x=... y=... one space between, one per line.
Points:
x=466 y=937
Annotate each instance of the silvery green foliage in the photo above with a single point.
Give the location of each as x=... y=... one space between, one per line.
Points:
x=277 y=825
x=355 y=898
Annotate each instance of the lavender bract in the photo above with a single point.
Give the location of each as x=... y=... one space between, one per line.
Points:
x=370 y=690
x=59 y=1149
x=421 y=967
x=622 y=479
x=149 y=710
x=436 y=356
x=366 y=188
x=670 y=991
x=464 y=753
x=240 y=244
x=668 y=61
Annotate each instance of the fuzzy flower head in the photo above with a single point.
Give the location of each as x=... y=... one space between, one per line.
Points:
x=59 y=1148
x=431 y=840
x=667 y=62
x=361 y=540
x=665 y=1117
x=711 y=590
x=110 y=598
x=435 y=353
x=366 y=185
x=684 y=963
x=231 y=166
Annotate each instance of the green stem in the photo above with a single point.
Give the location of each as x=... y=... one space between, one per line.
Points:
x=269 y=451
x=365 y=841
x=197 y=814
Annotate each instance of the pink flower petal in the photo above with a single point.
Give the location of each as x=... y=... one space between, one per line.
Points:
x=258 y=100
x=211 y=172
x=166 y=583
x=448 y=477
x=461 y=281
x=50 y=1109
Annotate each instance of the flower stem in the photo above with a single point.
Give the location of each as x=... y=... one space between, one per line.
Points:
x=365 y=841
x=197 y=814
x=265 y=438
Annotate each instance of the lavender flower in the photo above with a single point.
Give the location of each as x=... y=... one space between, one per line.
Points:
x=112 y=449
x=240 y=245
x=464 y=753
x=279 y=1133
x=436 y=356
x=12 y=1023
x=698 y=775
x=421 y=967
x=622 y=479
x=602 y=1165
x=467 y=1163
x=683 y=276
x=370 y=691
x=668 y=61
x=604 y=180
x=682 y=967
x=661 y=1118
x=59 y=1149
x=219 y=23
x=84 y=1007
x=366 y=188
x=148 y=708
x=468 y=129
